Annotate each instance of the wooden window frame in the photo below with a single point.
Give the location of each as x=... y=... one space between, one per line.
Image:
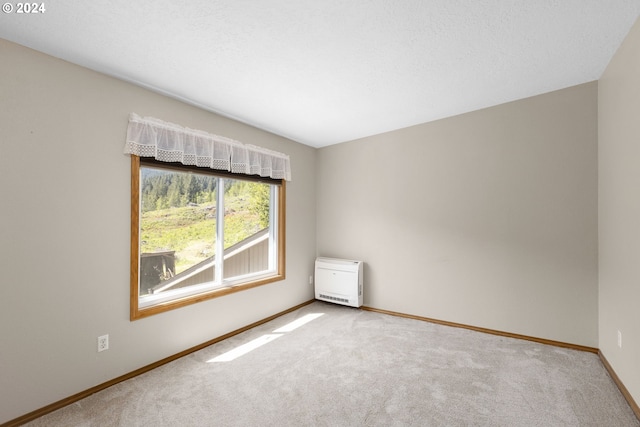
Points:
x=138 y=313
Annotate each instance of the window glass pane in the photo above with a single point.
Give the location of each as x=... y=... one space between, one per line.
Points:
x=177 y=229
x=247 y=226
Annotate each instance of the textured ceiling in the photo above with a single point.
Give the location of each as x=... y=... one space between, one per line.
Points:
x=326 y=71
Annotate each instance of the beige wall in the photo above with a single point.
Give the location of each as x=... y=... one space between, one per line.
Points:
x=486 y=219
x=619 y=211
x=64 y=230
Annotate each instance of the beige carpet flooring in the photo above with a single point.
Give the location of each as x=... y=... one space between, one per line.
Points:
x=348 y=367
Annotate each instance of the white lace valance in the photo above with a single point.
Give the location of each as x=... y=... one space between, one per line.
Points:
x=168 y=142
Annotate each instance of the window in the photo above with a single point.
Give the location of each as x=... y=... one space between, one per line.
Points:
x=198 y=233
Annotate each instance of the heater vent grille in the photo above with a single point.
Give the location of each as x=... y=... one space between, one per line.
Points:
x=334 y=298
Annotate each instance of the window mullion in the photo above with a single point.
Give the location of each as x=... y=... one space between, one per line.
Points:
x=219 y=232
x=273 y=226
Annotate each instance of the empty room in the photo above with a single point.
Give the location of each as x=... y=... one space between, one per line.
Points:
x=476 y=160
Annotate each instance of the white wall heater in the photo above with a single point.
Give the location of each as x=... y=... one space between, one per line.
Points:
x=339 y=281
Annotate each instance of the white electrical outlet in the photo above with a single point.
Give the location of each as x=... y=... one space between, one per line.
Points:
x=311 y=280
x=103 y=342
x=619 y=339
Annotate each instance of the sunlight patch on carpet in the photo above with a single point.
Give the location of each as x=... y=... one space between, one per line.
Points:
x=297 y=323
x=244 y=348
x=258 y=342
